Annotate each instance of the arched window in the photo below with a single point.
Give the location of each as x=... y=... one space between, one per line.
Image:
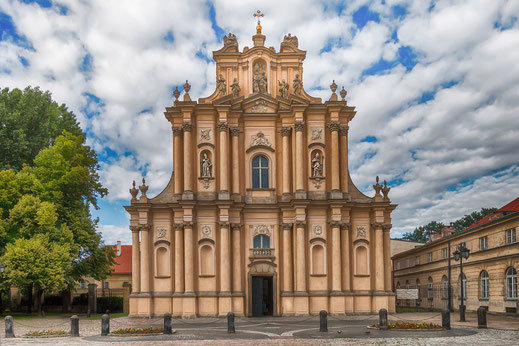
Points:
x=445 y=287
x=260 y=172
x=462 y=282
x=430 y=288
x=261 y=241
x=483 y=285
x=511 y=283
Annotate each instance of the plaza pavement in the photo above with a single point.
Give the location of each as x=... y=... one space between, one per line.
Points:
x=342 y=330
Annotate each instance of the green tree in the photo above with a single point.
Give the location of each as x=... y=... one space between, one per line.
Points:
x=422 y=233
x=472 y=218
x=37 y=262
x=29 y=122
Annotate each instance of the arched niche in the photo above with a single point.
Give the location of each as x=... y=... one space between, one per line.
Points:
x=162 y=262
x=259 y=76
x=318 y=259
x=361 y=258
x=206 y=258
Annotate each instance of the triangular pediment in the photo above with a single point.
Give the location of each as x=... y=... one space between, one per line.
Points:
x=260 y=103
x=224 y=100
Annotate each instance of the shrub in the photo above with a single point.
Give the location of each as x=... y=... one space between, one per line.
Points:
x=53 y=300
x=114 y=304
x=82 y=299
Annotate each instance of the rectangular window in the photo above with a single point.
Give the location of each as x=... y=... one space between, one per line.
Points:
x=106 y=284
x=429 y=257
x=444 y=253
x=417 y=260
x=510 y=236
x=398 y=265
x=483 y=243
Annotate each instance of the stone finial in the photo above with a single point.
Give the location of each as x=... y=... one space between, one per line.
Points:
x=377 y=188
x=134 y=191
x=291 y=39
x=143 y=189
x=343 y=94
x=187 y=87
x=385 y=191
x=229 y=39
x=176 y=93
x=333 y=88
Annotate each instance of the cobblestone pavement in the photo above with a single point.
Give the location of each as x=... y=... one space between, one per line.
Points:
x=343 y=330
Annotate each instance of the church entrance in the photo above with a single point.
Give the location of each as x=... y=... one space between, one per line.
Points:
x=262 y=296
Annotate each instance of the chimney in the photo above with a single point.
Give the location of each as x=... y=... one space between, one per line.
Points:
x=118 y=248
x=434 y=237
x=447 y=230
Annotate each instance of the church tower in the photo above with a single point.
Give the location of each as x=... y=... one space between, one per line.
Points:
x=260 y=216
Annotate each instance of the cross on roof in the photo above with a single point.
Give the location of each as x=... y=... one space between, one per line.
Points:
x=258 y=15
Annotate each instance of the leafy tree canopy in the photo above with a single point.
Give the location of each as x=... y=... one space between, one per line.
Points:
x=422 y=233
x=29 y=122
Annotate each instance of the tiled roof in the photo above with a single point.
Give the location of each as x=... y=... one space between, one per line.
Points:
x=123 y=263
x=510 y=207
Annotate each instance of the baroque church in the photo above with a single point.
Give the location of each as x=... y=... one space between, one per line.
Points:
x=260 y=216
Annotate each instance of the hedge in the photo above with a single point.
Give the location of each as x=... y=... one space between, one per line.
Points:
x=113 y=304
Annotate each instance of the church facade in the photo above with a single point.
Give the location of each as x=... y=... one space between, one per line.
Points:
x=260 y=216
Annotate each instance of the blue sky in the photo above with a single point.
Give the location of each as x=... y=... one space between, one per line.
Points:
x=435 y=84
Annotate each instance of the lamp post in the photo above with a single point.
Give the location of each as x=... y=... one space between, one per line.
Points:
x=460 y=253
x=2 y=269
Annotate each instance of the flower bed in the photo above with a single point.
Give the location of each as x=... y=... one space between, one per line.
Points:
x=411 y=325
x=39 y=333
x=133 y=331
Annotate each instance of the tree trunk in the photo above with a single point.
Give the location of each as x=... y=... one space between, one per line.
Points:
x=29 y=299
x=39 y=295
x=65 y=295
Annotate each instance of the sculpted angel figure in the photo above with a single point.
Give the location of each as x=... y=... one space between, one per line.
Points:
x=207 y=167
x=221 y=86
x=317 y=166
x=298 y=85
x=283 y=89
x=235 y=87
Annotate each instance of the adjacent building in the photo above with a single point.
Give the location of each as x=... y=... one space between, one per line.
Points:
x=489 y=274
x=260 y=216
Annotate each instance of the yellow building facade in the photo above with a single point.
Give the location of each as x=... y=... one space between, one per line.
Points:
x=260 y=216
x=489 y=274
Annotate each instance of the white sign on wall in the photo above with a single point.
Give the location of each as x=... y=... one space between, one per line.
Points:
x=409 y=293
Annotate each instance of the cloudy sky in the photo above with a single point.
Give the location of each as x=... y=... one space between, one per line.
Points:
x=435 y=84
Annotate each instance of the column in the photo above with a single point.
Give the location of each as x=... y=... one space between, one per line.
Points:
x=336 y=257
x=224 y=159
x=379 y=257
x=236 y=258
x=334 y=128
x=343 y=132
x=179 y=258
x=387 y=257
x=299 y=128
x=188 y=258
x=345 y=245
x=288 y=285
x=177 y=159
x=235 y=133
x=225 y=261
x=300 y=257
x=136 y=273
x=285 y=133
x=145 y=259
x=188 y=173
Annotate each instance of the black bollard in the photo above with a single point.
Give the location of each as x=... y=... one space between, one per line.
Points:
x=323 y=321
x=105 y=325
x=382 y=319
x=167 y=323
x=446 y=319
x=9 y=327
x=89 y=313
x=74 y=326
x=482 y=317
x=230 y=322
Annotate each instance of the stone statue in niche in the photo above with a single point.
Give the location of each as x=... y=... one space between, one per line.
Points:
x=298 y=85
x=259 y=139
x=283 y=89
x=207 y=167
x=317 y=166
x=235 y=87
x=259 y=81
x=221 y=87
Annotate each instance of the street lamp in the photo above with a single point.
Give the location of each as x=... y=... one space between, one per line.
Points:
x=460 y=253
